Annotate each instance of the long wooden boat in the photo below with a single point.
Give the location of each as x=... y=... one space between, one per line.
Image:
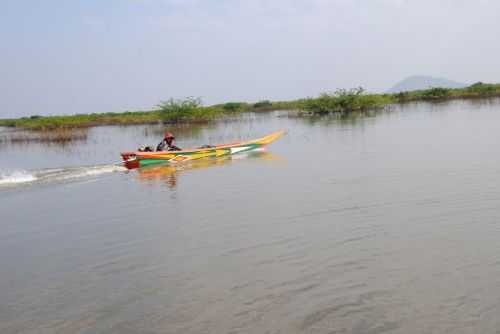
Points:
x=141 y=159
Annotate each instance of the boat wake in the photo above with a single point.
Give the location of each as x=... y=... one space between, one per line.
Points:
x=16 y=177
x=50 y=175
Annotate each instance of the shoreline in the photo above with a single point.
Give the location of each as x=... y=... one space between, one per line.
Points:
x=191 y=111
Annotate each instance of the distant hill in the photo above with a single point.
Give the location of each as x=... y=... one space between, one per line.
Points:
x=418 y=82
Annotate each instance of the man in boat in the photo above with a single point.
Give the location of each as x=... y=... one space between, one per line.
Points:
x=168 y=143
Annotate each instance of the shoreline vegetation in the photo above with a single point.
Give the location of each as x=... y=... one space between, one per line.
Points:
x=191 y=110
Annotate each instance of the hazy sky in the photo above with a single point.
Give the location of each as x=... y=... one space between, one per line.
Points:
x=113 y=55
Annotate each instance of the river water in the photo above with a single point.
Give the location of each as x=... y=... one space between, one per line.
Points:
x=376 y=224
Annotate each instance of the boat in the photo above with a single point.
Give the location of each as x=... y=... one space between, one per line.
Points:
x=138 y=159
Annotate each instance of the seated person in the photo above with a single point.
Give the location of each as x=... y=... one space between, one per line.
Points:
x=167 y=144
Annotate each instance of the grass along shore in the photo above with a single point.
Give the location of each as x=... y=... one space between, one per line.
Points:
x=171 y=111
x=192 y=110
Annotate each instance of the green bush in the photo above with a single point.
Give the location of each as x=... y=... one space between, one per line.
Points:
x=176 y=110
x=482 y=88
x=235 y=107
x=436 y=93
x=403 y=96
x=263 y=104
x=187 y=110
x=345 y=101
x=8 y=122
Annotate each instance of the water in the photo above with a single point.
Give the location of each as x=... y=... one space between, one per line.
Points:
x=369 y=225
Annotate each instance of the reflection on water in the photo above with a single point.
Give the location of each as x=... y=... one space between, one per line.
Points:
x=480 y=102
x=59 y=136
x=345 y=119
x=169 y=174
x=438 y=106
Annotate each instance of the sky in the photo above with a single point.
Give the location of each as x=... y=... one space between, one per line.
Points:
x=67 y=57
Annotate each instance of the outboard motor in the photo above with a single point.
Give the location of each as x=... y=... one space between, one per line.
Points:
x=145 y=149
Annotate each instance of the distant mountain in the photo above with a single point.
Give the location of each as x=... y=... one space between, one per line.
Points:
x=417 y=82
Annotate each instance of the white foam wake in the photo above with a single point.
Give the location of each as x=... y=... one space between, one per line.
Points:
x=21 y=177
x=16 y=177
